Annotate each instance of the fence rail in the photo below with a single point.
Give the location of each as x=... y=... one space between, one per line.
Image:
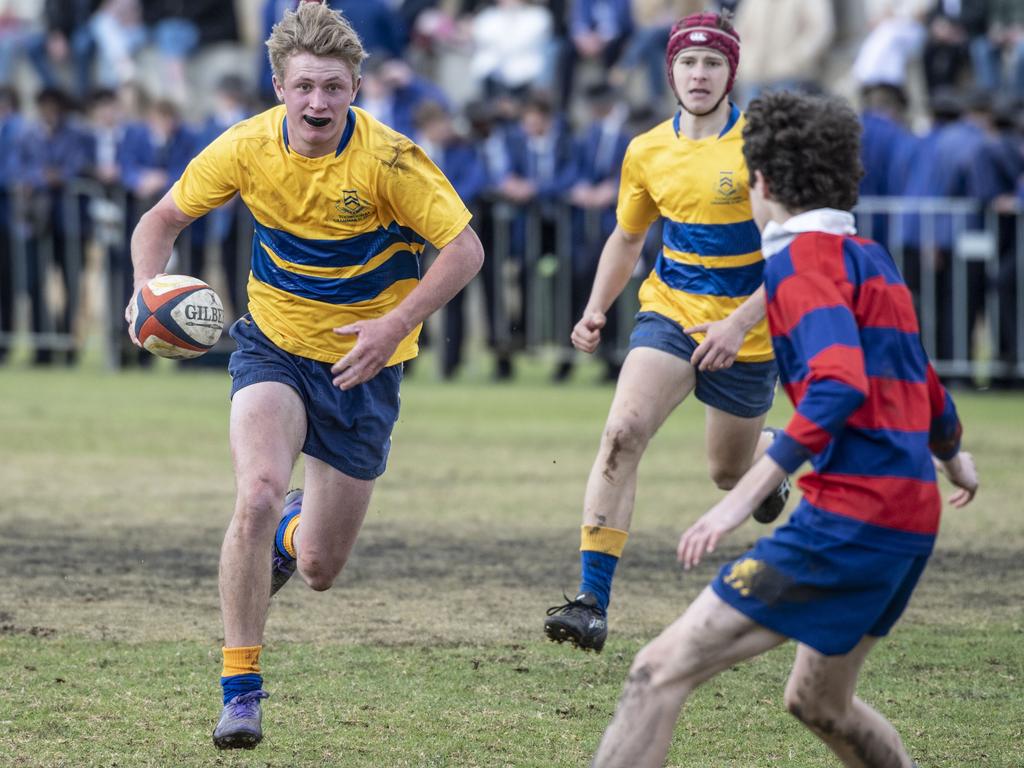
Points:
x=964 y=266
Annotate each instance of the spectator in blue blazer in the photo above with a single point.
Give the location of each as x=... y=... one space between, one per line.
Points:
x=599 y=30
x=461 y=162
x=600 y=150
x=108 y=132
x=543 y=169
x=381 y=30
x=944 y=165
x=491 y=123
x=11 y=127
x=232 y=102
x=391 y=91
x=882 y=116
x=153 y=160
x=50 y=155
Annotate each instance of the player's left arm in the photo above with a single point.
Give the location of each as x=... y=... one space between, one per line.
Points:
x=944 y=442
x=376 y=339
x=812 y=319
x=723 y=338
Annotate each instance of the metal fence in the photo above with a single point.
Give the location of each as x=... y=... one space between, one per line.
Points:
x=964 y=265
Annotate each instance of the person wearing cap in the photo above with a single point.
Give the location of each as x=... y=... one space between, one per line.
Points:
x=701 y=325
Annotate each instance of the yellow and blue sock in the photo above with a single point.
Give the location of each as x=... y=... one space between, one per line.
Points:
x=284 y=539
x=241 y=672
x=600 y=550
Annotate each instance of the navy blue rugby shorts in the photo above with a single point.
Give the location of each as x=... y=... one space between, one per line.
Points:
x=350 y=430
x=819 y=590
x=743 y=389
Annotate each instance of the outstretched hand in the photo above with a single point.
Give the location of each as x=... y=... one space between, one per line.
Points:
x=962 y=473
x=587 y=333
x=703 y=536
x=728 y=514
x=722 y=342
x=376 y=342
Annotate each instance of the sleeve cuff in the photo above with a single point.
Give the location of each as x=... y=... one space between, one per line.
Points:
x=787 y=452
x=946 y=451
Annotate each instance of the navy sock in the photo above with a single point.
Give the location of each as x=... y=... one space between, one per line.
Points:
x=236 y=685
x=597 y=571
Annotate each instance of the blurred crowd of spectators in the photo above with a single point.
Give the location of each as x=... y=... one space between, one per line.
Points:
x=534 y=117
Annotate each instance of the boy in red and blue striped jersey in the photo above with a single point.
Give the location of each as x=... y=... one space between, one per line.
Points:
x=875 y=423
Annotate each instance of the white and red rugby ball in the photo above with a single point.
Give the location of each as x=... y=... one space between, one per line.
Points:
x=177 y=316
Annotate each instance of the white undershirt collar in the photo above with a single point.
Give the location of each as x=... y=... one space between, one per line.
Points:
x=777 y=236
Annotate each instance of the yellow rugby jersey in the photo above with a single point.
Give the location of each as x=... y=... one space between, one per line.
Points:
x=337 y=238
x=711 y=259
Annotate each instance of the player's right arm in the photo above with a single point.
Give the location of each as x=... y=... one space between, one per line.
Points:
x=152 y=244
x=211 y=179
x=618 y=260
x=635 y=212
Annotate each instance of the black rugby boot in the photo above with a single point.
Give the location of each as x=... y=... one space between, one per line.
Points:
x=580 y=621
x=769 y=509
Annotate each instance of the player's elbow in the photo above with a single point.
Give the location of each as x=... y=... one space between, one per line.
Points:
x=475 y=257
x=469 y=250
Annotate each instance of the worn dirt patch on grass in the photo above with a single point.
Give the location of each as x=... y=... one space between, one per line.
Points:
x=448 y=585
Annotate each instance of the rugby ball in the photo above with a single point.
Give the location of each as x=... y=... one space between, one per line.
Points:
x=177 y=316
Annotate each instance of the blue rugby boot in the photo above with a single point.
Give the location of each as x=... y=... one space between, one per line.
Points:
x=580 y=621
x=283 y=564
x=240 y=724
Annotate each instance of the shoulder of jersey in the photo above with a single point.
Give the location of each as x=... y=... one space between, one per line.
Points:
x=261 y=126
x=377 y=139
x=659 y=134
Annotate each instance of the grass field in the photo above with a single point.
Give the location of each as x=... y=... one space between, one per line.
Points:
x=428 y=652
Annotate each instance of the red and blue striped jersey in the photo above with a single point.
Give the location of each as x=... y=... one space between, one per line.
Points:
x=870 y=410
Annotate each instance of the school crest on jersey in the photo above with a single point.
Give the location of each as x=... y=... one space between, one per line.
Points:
x=727 y=190
x=351 y=207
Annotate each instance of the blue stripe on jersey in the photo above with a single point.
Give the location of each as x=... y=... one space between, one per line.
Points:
x=712 y=239
x=334 y=253
x=817 y=330
x=782 y=267
x=866 y=260
x=829 y=403
x=734 y=115
x=878 y=453
x=848 y=529
x=403 y=265
x=893 y=354
x=708 y=281
x=346 y=136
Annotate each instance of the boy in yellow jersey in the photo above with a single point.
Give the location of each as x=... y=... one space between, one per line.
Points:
x=343 y=206
x=701 y=325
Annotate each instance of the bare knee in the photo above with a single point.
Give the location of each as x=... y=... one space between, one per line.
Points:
x=653 y=670
x=258 y=505
x=623 y=443
x=724 y=477
x=817 y=713
x=319 y=572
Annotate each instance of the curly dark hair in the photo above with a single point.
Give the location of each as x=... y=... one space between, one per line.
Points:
x=807 y=148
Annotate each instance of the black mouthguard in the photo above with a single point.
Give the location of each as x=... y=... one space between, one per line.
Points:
x=316 y=122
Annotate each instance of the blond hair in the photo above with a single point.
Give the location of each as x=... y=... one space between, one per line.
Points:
x=316 y=29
